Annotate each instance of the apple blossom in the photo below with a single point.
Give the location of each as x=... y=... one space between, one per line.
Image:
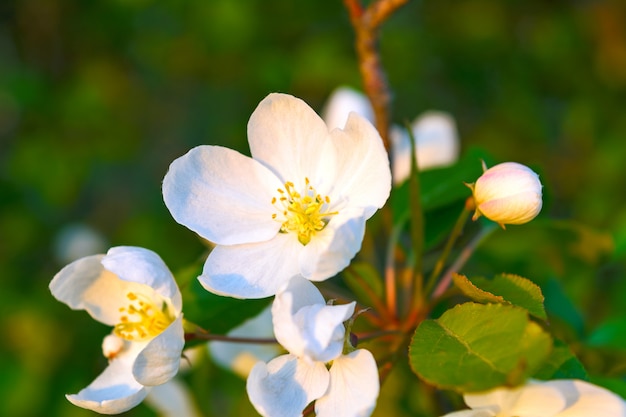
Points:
x=131 y=289
x=436 y=144
x=314 y=335
x=507 y=193
x=557 y=398
x=298 y=206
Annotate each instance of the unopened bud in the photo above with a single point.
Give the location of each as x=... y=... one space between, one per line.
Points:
x=112 y=345
x=508 y=193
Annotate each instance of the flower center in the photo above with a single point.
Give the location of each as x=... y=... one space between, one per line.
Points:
x=142 y=319
x=304 y=214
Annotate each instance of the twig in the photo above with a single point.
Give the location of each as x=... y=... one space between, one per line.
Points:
x=461 y=260
x=229 y=339
x=366 y=23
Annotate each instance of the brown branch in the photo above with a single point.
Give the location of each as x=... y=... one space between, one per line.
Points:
x=366 y=23
x=229 y=339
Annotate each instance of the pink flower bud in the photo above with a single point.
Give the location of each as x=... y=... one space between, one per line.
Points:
x=508 y=193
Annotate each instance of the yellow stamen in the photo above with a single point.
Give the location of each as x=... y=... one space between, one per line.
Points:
x=305 y=214
x=147 y=319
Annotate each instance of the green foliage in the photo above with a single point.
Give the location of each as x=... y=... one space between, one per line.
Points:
x=442 y=186
x=561 y=364
x=475 y=347
x=98 y=97
x=504 y=288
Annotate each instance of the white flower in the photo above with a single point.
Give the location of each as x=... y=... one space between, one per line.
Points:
x=508 y=193
x=435 y=133
x=436 y=144
x=313 y=333
x=131 y=289
x=298 y=206
x=557 y=398
x=241 y=357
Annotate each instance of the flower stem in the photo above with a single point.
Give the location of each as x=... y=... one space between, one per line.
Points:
x=441 y=261
x=462 y=259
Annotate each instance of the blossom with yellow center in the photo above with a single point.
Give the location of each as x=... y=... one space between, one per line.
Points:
x=142 y=319
x=298 y=206
x=303 y=214
x=131 y=290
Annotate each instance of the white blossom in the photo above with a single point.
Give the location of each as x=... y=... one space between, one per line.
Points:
x=131 y=289
x=314 y=335
x=298 y=206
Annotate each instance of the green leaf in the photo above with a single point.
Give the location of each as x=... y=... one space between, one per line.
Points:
x=472 y=291
x=504 y=288
x=442 y=186
x=561 y=364
x=610 y=334
x=475 y=347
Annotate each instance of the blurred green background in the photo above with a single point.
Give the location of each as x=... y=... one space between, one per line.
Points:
x=97 y=97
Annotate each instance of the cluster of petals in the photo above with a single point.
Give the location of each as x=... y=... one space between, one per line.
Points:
x=507 y=193
x=297 y=206
x=556 y=398
x=435 y=133
x=131 y=289
x=314 y=335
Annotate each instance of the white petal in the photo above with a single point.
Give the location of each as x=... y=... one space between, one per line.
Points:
x=172 y=399
x=331 y=250
x=298 y=294
x=283 y=387
x=86 y=285
x=353 y=389
x=585 y=399
x=537 y=399
x=289 y=138
x=305 y=325
x=437 y=140
x=322 y=331
x=143 y=266
x=533 y=399
x=222 y=195
x=114 y=390
x=255 y=270
x=363 y=176
x=343 y=101
x=158 y=362
x=241 y=357
x=400 y=154
x=496 y=399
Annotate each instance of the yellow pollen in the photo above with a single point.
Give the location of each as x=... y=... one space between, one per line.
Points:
x=142 y=319
x=304 y=214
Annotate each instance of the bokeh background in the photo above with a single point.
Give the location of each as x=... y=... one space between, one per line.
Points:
x=97 y=97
